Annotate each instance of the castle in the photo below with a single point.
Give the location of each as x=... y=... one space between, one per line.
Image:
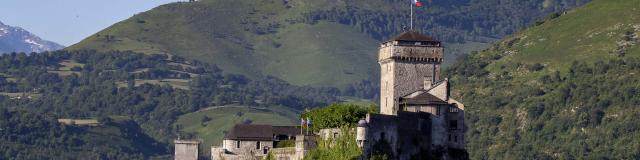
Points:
x=416 y=112
x=417 y=116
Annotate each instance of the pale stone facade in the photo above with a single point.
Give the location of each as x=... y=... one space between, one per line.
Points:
x=302 y=146
x=186 y=150
x=248 y=147
x=330 y=133
x=249 y=142
x=405 y=67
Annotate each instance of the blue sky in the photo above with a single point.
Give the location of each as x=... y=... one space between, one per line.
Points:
x=69 y=21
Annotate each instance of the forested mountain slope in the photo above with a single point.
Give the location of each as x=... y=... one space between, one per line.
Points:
x=311 y=42
x=26 y=135
x=151 y=91
x=564 y=89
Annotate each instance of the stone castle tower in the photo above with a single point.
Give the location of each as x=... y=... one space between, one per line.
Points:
x=409 y=62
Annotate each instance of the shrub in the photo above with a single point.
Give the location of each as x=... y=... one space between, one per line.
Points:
x=337 y=115
x=343 y=147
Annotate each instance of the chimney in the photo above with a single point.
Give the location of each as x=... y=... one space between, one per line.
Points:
x=428 y=82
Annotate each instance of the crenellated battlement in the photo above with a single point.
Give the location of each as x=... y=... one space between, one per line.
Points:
x=417 y=50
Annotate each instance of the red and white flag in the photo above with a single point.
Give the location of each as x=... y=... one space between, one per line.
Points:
x=417 y=3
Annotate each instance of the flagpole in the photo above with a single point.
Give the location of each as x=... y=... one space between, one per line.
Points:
x=411 y=17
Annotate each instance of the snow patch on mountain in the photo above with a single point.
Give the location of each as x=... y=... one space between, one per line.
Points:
x=3 y=31
x=34 y=43
x=16 y=39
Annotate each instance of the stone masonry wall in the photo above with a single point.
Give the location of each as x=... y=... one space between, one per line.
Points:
x=246 y=147
x=404 y=70
x=186 y=150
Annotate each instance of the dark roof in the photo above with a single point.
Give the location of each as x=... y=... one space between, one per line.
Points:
x=286 y=130
x=250 y=132
x=421 y=97
x=263 y=132
x=412 y=36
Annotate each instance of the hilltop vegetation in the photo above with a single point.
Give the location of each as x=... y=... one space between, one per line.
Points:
x=310 y=42
x=337 y=115
x=27 y=135
x=107 y=84
x=564 y=89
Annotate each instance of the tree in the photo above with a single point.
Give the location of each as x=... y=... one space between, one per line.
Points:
x=204 y=120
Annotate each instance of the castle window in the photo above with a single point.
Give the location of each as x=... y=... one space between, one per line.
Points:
x=385 y=101
x=258 y=145
x=455 y=139
x=237 y=144
x=453 y=109
x=449 y=137
x=453 y=124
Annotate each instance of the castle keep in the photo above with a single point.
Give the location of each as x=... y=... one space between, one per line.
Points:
x=416 y=112
x=409 y=62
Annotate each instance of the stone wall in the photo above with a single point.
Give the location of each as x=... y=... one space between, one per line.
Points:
x=393 y=49
x=186 y=150
x=404 y=135
x=439 y=129
x=287 y=153
x=441 y=90
x=457 y=134
x=304 y=143
x=248 y=151
x=330 y=133
x=441 y=117
x=247 y=147
x=404 y=70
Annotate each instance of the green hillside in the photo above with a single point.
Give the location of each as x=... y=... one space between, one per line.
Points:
x=563 y=89
x=222 y=118
x=27 y=135
x=155 y=92
x=309 y=42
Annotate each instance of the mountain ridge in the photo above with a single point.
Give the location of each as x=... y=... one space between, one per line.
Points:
x=317 y=43
x=16 y=39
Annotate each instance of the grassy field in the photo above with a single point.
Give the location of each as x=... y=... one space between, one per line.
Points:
x=588 y=34
x=357 y=101
x=65 y=68
x=257 y=38
x=454 y=50
x=224 y=117
x=352 y=55
x=22 y=95
x=67 y=65
x=323 y=54
x=80 y=122
x=175 y=83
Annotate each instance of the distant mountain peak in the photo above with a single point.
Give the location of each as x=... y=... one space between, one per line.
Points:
x=16 y=39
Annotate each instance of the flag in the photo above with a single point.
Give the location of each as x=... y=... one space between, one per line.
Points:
x=417 y=3
x=302 y=122
x=308 y=122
